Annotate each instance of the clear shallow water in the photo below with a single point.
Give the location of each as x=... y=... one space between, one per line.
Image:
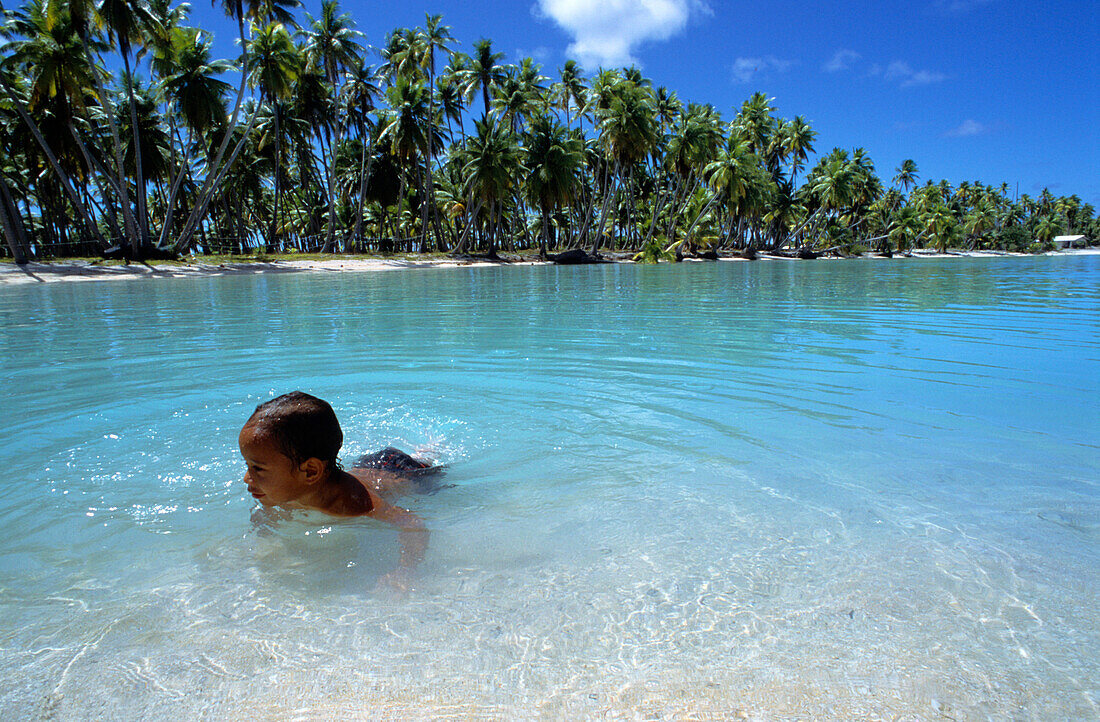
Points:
x=792 y=490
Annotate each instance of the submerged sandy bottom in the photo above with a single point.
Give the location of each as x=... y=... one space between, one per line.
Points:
x=814 y=616
x=775 y=491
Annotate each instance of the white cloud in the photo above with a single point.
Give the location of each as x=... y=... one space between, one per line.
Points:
x=899 y=70
x=541 y=55
x=842 y=60
x=606 y=32
x=746 y=70
x=967 y=128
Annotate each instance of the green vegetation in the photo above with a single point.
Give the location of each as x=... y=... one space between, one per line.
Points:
x=313 y=149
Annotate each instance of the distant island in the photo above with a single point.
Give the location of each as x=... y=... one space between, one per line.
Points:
x=121 y=137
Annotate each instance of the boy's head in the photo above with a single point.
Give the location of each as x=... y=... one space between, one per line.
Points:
x=290 y=445
x=300 y=426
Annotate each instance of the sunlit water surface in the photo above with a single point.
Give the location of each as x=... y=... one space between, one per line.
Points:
x=777 y=490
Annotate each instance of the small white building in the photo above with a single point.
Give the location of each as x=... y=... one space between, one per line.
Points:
x=1069 y=241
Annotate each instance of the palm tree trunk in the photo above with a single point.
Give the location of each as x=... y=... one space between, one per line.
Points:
x=212 y=183
x=330 y=231
x=609 y=181
x=101 y=176
x=702 y=214
x=461 y=247
x=116 y=140
x=66 y=184
x=214 y=169
x=142 y=211
x=273 y=228
x=544 y=237
x=494 y=221
x=12 y=224
x=658 y=206
x=365 y=160
x=429 y=194
x=400 y=209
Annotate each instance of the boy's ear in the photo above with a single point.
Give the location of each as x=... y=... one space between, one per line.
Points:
x=314 y=469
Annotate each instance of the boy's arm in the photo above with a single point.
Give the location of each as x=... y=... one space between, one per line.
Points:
x=413 y=538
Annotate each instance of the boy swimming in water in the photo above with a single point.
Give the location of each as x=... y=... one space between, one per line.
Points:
x=290 y=444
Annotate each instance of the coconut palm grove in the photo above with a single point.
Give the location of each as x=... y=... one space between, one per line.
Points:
x=122 y=134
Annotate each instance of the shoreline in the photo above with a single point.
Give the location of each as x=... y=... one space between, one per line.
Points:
x=76 y=271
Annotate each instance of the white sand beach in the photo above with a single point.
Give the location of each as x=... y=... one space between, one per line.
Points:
x=51 y=272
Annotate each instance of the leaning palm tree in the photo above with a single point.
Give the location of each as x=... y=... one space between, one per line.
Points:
x=832 y=187
x=194 y=96
x=129 y=23
x=692 y=145
x=257 y=13
x=48 y=56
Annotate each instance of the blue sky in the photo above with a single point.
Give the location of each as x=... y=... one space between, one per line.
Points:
x=987 y=90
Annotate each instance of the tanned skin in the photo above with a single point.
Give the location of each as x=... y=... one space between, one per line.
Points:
x=274 y=479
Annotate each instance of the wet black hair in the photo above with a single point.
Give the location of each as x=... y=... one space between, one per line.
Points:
x=302 y=426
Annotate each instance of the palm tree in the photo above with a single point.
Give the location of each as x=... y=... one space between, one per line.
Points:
x=755 y=124
x=399 y=56
x=258 y=13
x=904 y=227
x=51 y=53
x=491 y=162
x=485 y=71
x=729 y=176
x=275 y=64
x=554 y=163
x=358 y=102
x=798 y=143
x=942 y=224
x=627 y=134
x=405 y=126
x=434 y=36
x=570 y=90
x=832 y=186
x=980 y=219
x=692 y=146
x=519 y=94
x=130 y=22
x=194 y=93
x=906 y=176
x=333 y=45
x=1048 y=227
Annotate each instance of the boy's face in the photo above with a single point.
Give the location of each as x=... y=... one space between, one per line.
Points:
x=272 y=477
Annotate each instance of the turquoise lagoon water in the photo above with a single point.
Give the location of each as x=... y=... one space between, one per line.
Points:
x=776 y=490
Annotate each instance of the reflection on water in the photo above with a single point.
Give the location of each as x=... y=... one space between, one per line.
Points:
x=793 y=490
